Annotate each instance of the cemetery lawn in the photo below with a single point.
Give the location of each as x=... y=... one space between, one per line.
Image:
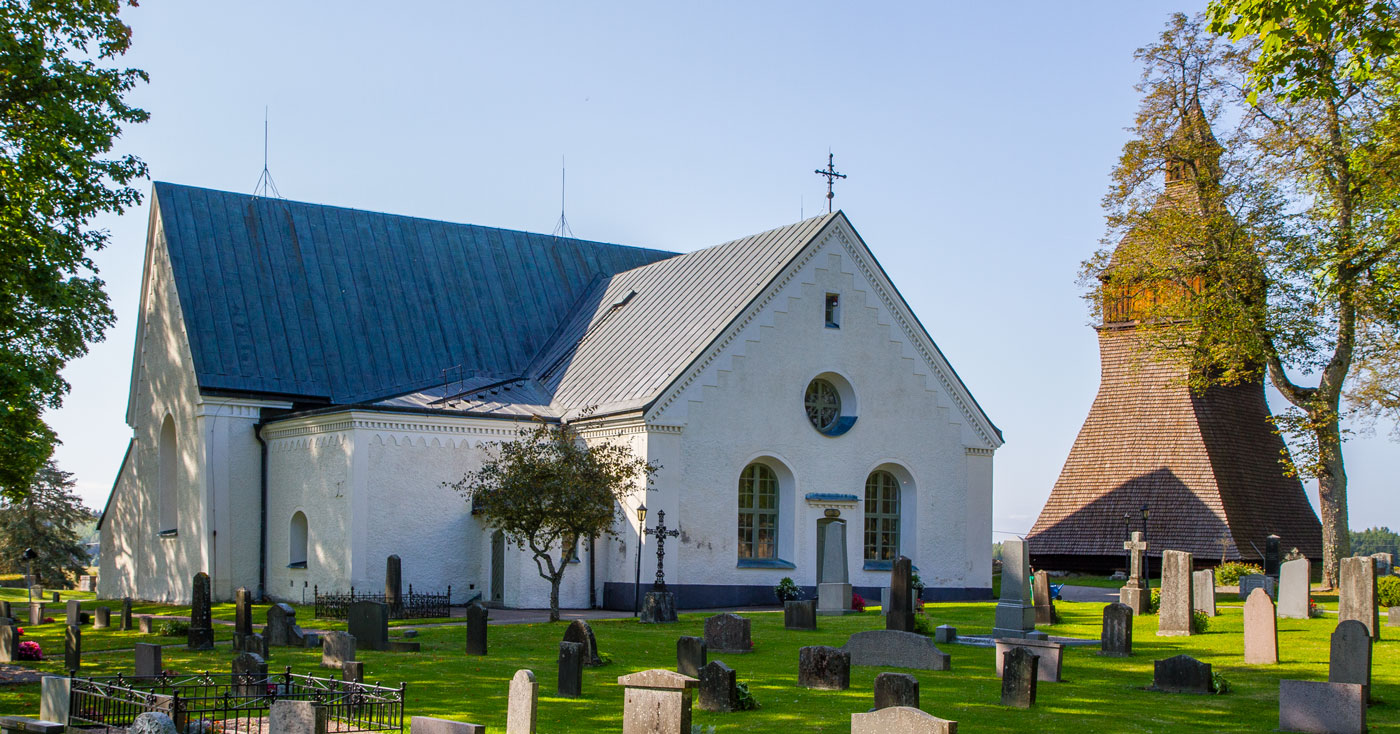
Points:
x=1098 y=694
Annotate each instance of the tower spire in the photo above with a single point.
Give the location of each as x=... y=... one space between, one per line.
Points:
x=831 y=176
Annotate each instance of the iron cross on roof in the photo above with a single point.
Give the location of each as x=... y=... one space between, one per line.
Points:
x=831 y=176
x=661 y=533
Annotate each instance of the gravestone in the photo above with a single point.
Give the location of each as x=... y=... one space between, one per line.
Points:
x=895 y=649
x=824 y=668
x=36 y=592
x=5 y=609
x=1271 y=556
x=1294 y=582
x=834 y=591
x=249 y=671
x=431 y=725
x=899 y=615
x=691 y=653
x=36 y=612
x=242 y=616
x=945 y=633
x=147 y=624
x=9 y=643
x=571 y=669
x=476 y=629
x=1392 y=617
x=1044 y=604
x=1350 y=661
x=896 y=689
x=1356 y=594
x=727 y=633
x=901 y=720
x=1250 y=582
x=1385 y=563
x=368 y=621
x=103 y=619
x=1015 y=615
x=656 y=702
x=153 y=722
x=579 y=631
x=393 y=584
x=1116 y=638
x=521 y=703
x=1174 y=614
x=1135 y=593
x=55 y=698
x=256 y=643
x=55 y=597
x=658 y=607
x=1050 y=653
x=1260 y=630
x=297 y=717
x=1321 y=708
x=1203 y=592
x=281 y=629
x=800 y=615
x=87 y=583
x=336 y=649
x=126 y=614
x=719 y=687
x=1019 y=677
x=72 y=647
x=352 y=671
x=148 y=663
x=73 y=612
x=201 y=634
x=1181 y=674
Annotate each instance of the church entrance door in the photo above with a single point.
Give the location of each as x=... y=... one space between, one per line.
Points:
x=498 y=568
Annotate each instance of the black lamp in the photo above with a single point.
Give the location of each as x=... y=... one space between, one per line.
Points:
x=637 y=583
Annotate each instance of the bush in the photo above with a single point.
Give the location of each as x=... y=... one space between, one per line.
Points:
x=1228 y=574
x=746 y=700
x=1218 y=683
x=173 y=628
x=1388 y=591
x=787 y=590
x=1199 y=622
x=30 y=650
x=857 y=602
x=1154 y=603
x=923 y=624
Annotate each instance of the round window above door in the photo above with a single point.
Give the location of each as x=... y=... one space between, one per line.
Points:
x=830 y=404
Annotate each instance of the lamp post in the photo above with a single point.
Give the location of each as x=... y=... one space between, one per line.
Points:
x=1146 y=559
x=30 y=555
x=641 y=535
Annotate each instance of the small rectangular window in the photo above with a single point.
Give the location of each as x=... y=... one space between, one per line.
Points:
x=833 y=310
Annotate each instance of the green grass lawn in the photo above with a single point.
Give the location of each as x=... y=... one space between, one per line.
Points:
x=1098 y=694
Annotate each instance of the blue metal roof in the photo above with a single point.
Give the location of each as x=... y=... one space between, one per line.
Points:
x=326 y=302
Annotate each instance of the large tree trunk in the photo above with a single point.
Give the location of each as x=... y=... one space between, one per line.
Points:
x=1332 y=501
x=554 y=595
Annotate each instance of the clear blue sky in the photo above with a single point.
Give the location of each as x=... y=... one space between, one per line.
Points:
x=978 y=139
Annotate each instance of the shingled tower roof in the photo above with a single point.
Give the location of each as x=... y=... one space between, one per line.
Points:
x=1206 y=465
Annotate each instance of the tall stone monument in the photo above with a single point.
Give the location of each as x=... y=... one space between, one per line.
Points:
x=242 y=616
x=1015 y=614
x=201 y=635
x=1174 y=613
x=393 y=585
x=1356 y=596
x=1135 y=594
x=834 y=592
x=1044 y=600
x=900 y=615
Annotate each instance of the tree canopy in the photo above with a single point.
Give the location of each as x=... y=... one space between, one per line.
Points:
x=61 y=109
x=47 y=519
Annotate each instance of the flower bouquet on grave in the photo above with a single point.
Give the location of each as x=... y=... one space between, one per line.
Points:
x=857 y=602
x=48 y=620
x=30 y=650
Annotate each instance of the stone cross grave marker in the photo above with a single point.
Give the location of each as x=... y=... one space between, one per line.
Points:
x=570 y=669
x=1015 y=613
x=1181 y=674
x=579 y=631
x=522 y=702
x=727 y=633
x=201 y=634
x=656 y=702
x=896 y=689
x=691 y=653
x=1294 y=587
x=1260 y=629
x=901 y=720
x=242 y=616
x=800 y=614
x=336 y=649
x=719 y=687
x=1044 y=603
x=1174 y=614
x=126 y=614
x=102 y=619
x=1327 y=708
x=1203 y=591
x=1350 y=660
x=900 y=615
x=148 y=663
x=1020 y=672
x=476 y=629
x=281 y=629
x=9 y=643
x=368 y=621
x=1356 y=594
x=824 y=668
x=249 y=671
x=1116 y=637
x=393 y=584
x=834 y=590
x=73 y=647
x=1135 y=593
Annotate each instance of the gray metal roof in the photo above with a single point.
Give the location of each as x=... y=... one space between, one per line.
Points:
x=348 y=306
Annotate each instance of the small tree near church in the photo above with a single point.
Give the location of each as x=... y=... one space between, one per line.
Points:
x=46 y=518
x=546 y=490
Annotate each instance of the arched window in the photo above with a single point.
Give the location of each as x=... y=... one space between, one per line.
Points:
x=758 y=512
x=165 y=481
x=881 y=516
x=297 y=552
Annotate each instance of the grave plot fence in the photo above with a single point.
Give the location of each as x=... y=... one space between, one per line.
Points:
x=415 y=605
x=226 y=704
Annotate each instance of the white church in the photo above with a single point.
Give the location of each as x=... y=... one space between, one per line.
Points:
x=307 y=378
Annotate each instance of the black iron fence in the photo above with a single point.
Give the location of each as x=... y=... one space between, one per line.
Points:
x=413 y=605
x=208 y=704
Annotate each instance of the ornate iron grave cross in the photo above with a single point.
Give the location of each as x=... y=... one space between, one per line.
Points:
x=831 y=176
x=661 y=534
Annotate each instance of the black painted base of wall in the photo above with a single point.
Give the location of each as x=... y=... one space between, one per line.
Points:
x=619 y=596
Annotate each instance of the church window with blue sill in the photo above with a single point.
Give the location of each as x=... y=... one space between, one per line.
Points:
x=833 y=310
x=758 y=512
x=881 y=517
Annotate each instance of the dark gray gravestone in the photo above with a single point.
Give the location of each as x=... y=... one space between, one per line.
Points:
x=9 y=643
x=352 y=671
x=658 y=607
x=824 y=668
x=800 y=615
x=1350 y=661
x=579 y=631
x=1116 y=639
x=1331 y=708
x=256 y=643
x=690 y=656
x=55 y=597
x=1356 y=594
x=896 y=689
x=900 y=615
x=1044 y=604
x=393 y=584
x=126 y=614
x=336 y=649
x=146 y=623
x=571 y=669
x=719 y=687
x=368 y=621
x=945 y=633
x=1019 y=675
x=281 y=629
x=74 y=612
x=242 y=616
x=5 y=609
x=727 y=633
x=1051 y=655
x=148 y=663
x=1271 y=556
x=249 y=675
x=73 y=647
x=892 y=648
x=1181 y=674
x=201 y=636
x=476 y=629
x=103 y=620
